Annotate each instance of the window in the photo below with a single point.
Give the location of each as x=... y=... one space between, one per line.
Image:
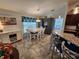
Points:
x=58 y=23
x=29 y=23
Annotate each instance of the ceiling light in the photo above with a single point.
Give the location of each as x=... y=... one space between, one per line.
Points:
x=52 y=10
x=38 y=9
x=76 y=10
x=38 y=20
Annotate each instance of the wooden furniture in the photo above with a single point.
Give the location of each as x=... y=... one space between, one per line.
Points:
x=77 y=29
x=15 y=54
x=69 y=31
x=72 y=19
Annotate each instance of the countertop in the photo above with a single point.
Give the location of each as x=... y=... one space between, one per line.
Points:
x=70 y=37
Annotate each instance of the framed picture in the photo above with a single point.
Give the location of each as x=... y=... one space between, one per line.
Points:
x=2 y=20
x=13 y=21
x=8 y=21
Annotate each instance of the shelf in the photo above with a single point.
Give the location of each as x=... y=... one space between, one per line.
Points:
x=5 y=32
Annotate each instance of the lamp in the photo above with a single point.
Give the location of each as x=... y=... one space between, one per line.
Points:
x=1 y=27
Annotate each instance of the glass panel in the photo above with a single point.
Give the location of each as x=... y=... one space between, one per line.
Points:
x=29 y=23
x=59 y=23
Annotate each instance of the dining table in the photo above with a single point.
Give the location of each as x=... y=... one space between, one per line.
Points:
x=36 y=33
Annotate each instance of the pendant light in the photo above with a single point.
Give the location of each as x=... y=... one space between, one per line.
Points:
x=38 y=19
x=76 y=10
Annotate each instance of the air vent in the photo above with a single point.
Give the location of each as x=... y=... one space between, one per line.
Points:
x=52 y=10
x=38 y=9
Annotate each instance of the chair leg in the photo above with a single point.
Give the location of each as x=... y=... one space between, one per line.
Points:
x=52 y=53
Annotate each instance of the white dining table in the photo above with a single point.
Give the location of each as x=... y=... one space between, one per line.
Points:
x=37 y=32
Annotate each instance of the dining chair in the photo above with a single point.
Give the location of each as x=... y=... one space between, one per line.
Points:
x=70 y=51
x=40 y=34
x=34 y=35
x=56 y=45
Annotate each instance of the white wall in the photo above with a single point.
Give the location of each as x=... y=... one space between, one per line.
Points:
x=12 y=29
x=61 y=11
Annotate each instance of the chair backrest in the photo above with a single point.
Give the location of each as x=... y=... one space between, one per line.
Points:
x=72 y=46
x=53 y=37
x=69 y=48
x=57 y=41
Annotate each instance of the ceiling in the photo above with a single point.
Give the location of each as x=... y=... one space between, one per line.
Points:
x=72 y=5
x=72 y=2
x=31 y=7
x=34 y=7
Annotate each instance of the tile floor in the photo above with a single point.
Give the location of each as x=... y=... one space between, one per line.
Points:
x=38 y=49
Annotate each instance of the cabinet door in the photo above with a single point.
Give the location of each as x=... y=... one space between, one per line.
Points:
x=72 y=19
